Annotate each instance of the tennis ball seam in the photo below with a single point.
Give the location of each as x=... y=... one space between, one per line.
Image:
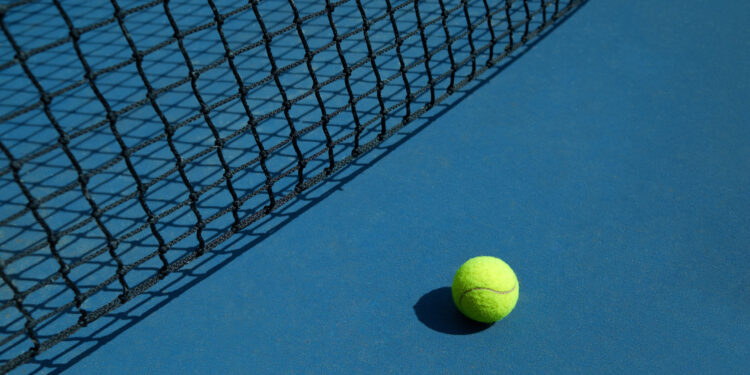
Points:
x=460 y=299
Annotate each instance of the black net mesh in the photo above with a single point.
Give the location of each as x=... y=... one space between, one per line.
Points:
x=138 y=136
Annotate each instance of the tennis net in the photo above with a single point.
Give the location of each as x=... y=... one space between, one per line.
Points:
x=138 y=136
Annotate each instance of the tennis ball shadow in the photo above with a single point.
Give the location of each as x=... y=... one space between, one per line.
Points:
x=437 y=311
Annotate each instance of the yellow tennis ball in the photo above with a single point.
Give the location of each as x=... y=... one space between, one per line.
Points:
x=485 y=289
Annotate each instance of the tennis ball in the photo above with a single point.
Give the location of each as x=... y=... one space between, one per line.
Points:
x=485 y=289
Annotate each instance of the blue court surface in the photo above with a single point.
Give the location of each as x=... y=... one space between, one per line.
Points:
x=607 y=161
